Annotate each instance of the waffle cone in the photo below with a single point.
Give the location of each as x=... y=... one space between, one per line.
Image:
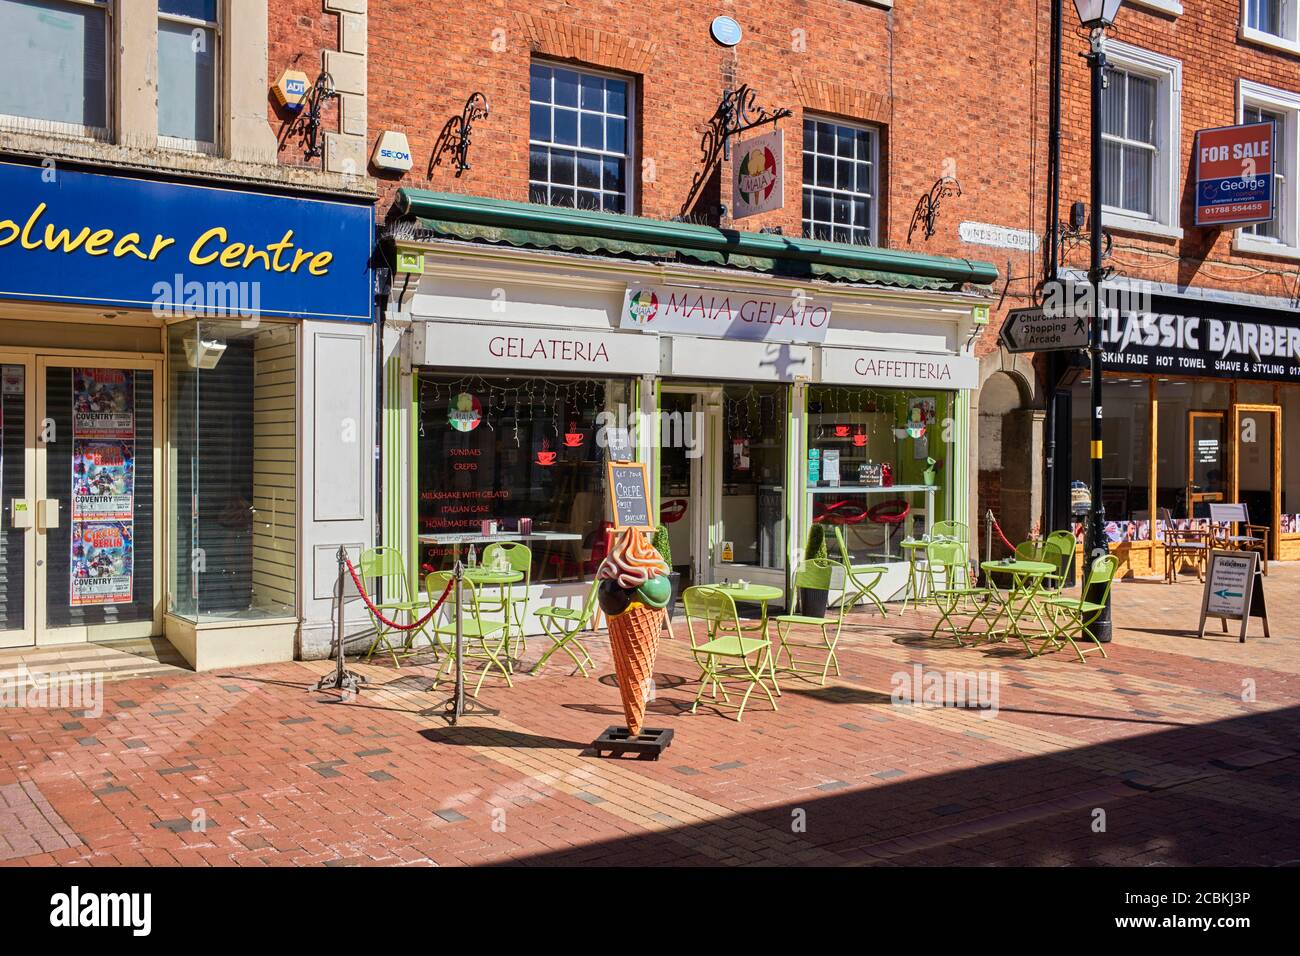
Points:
x=634 y=638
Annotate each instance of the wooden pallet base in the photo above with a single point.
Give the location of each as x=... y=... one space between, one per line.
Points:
x=617 y=741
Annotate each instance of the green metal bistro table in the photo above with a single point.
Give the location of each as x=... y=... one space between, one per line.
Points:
x=759 y=594
x=916 y=583
x=483 y=577
x=1026 y=579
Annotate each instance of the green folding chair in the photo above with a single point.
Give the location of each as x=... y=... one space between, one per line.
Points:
x=388 y=566
x=1073 y=617
x=957 y=530
x=1029 y=551
x=813 y=575
x=483 y=640
x=520 y=558
x=563 y=625
x=860 y=580
x=1064 y=542
x=726 y=653
x=945 y=567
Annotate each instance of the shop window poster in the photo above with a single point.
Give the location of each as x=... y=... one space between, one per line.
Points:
x=103 y=479
x=102 y=562
x=103 y=403
x=103 y=486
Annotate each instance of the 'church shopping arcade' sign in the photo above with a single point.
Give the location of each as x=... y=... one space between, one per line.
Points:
x=1182 y=337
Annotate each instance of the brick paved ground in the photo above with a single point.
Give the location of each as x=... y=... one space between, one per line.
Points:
x=1157 y=742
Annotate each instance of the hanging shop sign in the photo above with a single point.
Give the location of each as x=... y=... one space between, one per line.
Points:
x=1193 y=337
x=726 y=315
x=180 y=250
x=534 y=348
x=1234 y=174
x=849 y=366
x=757 y=183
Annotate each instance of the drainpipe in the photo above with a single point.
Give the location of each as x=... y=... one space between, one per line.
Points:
x=1053 y=264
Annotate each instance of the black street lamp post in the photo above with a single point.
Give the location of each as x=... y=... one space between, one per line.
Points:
x=1096 y=16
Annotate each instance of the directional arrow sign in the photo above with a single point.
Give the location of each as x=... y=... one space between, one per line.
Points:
x=1226 y=593
x=1030 y=330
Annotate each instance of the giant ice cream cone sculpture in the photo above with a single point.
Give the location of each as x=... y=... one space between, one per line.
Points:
x=634 y=590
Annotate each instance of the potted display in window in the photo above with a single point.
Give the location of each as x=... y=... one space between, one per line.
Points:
x=665 y=549
x=928 y=476
x=812 y=601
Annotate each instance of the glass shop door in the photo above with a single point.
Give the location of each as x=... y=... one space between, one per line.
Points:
x=94 y=497
x=18 y=501
x=1207 y=471
x=1257 y=466
x=688 y=488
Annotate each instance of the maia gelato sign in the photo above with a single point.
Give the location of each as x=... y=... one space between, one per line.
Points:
x=795 y=318
x=756 y=179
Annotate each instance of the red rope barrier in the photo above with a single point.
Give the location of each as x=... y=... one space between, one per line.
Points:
x=998 y=528
x=379 y=614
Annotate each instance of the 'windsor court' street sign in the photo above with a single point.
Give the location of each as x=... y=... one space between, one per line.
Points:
x=1035 y=330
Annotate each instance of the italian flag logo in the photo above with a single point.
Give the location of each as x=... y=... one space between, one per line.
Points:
x=757 y=172
x=642 y=306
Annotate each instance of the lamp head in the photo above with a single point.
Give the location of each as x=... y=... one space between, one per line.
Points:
x=1097 y=14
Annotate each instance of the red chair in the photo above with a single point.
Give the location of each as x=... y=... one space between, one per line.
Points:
x=891 y=513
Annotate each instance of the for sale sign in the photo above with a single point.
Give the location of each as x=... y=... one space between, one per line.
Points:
x=1234 y=174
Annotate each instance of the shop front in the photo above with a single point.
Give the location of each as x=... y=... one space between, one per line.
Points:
x=517 y=367
x=159 y=343
x=1198 y=396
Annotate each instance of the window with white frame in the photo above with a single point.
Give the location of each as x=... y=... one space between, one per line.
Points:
x=840 y=181
x=579 y=138
x=1259 y=104
x=188 y=35
x=1141 y=117
x=1259 y=114
x=1270 y=21
x=54 y=57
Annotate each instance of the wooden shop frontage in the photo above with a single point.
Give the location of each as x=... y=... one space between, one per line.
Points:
x=1202 y=403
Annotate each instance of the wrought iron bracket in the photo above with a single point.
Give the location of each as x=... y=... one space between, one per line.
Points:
x=737 y=113
x=457 y=133
x=309 y=120
x=927 y=207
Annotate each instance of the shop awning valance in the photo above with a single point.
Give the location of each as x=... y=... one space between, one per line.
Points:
x=529 y=225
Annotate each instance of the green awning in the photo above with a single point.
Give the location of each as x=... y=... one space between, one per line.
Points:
x=534 y=226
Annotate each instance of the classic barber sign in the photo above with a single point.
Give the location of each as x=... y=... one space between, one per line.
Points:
x=88 y=238
x=1182 y=337
x=757 y=183
x=1234 y=174
x=793 y=318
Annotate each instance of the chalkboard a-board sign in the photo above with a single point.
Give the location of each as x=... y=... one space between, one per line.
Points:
x=1234 y=590
x=629 y=495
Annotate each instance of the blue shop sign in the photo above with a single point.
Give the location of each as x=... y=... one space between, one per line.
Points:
x=88 y=238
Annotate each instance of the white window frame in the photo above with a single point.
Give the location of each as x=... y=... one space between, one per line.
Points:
x=1289 y=42
x=1288 y=145
x=1166 y=201
x=27 y=124
x=873 y=226
x=632 y=170
x=195 y=145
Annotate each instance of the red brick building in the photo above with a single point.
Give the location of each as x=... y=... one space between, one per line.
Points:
x=929 y=96
x=1197 y=422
